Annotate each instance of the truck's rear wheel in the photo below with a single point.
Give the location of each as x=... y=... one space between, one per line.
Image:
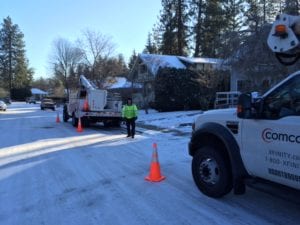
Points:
x=65 y=114
x=74 y=120
x=112 y=123
x=85 y=121
x=211 y=172
x=106 y=123
x=116 y=123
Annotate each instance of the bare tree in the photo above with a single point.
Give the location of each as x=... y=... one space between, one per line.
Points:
x=65 y=57
x=96 y=48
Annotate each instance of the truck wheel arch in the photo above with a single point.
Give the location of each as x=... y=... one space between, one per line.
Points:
x=216 y=134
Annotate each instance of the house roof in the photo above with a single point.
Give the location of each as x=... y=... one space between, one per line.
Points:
x=36 y=91
x=154 y=62
x=201 y=60
x=119 y=82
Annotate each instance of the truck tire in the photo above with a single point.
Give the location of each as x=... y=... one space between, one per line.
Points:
x=74 y=120
x=106 y=124
x=65 y=114
x=85 y=121
x=116 y=123
x=211 y=172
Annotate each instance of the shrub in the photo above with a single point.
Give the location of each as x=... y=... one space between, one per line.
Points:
x=20 y=94
x=177 y=89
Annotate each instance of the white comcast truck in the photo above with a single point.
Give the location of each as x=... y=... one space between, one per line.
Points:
x=261 y=138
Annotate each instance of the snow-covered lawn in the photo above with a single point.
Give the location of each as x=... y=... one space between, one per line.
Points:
x=180 y=121
x=51 y=174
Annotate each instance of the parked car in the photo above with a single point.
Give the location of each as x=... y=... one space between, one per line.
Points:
x=47 y=103
x=6 y=100
x=31 y=100
x=3 y=106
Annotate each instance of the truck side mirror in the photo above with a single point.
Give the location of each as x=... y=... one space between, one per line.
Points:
x=244 y=107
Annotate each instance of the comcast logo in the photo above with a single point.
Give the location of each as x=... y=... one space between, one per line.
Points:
x=268 y=135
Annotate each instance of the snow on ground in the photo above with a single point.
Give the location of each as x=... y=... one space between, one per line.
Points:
x=181 y=121
x=51 y=174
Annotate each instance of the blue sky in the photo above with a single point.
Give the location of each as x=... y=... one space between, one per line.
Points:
x=42 y=21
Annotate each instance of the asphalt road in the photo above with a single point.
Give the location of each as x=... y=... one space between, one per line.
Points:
x=51 y=174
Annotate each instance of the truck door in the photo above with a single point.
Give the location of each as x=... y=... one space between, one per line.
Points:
x=271 y=143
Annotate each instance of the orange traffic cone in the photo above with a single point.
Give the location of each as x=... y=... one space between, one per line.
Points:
x=86 y=105
x=79 y=127
x=57 y=118
x=155 y=175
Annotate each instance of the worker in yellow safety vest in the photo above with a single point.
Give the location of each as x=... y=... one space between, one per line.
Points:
x=130 y=113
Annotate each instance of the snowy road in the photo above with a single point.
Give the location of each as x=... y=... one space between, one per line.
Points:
x=50 y=174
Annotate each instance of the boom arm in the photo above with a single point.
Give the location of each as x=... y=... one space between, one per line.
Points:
x=86 y=83
x=284 y=38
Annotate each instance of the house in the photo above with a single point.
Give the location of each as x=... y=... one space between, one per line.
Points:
x=146 y=67
x=120 y=86
x=240 y=82
x=38 y=94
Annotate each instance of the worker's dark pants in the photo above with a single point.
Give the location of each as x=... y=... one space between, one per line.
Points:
x=130 y=123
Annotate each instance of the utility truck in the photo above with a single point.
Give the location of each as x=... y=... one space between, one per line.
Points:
x=261 y=137
x=91 y=105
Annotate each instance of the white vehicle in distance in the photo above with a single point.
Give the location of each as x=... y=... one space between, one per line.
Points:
x=3 y=106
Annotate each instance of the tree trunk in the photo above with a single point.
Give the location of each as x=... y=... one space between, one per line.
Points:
x=10 y=65
x=198 y=30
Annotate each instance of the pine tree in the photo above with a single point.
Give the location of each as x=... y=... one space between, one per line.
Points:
x=132 y=60
x=122 y=67
x=269 y=9
x=292 y=7
x=197 y=10
x=150 y=47
x=173 y=27
x=167 y=27
x=254 y=16
x=13 y=63
x=231 y=34
x=213 y=25
x=156 y=38
x=182 y=19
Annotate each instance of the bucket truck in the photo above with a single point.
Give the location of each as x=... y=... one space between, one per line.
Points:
x=91 y=105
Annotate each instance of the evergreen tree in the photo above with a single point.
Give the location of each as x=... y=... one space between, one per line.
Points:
x=132 y=60
x=41 y=83
x=231 y=34
x=254 y=16
x=232 y=12
x=173 y=27
x=122 y=67
x=13 y=63
x=197 y=10
x=213 y=24
x=156 y=38
x=269 y=10
x=292 y=7
x=182 y=19
x=150 y=47
x=167 y=27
